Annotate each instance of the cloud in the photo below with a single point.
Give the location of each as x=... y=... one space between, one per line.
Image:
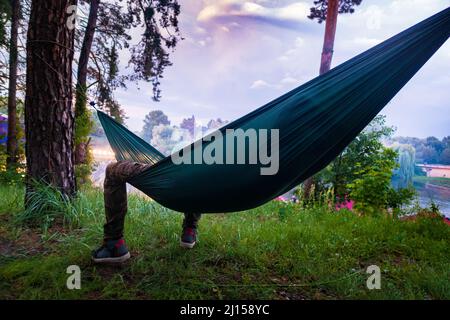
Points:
x=293 y=51
x=292 y=14
x=199 y=30
x=289 y=81
x=374 y=16
x=259 y=84
x=366 y=42
x=299 y=42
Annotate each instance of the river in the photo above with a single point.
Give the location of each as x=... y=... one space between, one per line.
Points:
x=439 y=195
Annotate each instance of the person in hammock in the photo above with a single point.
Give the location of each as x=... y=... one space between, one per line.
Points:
x=114 y=248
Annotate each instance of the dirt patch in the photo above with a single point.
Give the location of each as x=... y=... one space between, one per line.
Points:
x=29 y=243
x=290 y=295
x=24 y=242
x=6 y=247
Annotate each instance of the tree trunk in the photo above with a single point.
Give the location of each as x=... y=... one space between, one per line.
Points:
x=49 y=119
x=330 y=32
x=12 y=146
x=325 y=62
x=81 y=143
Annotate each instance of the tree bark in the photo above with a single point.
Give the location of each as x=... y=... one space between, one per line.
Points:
x=325 y=62
x=330 y=33
x=82 y=145
x=11 y=145
x=49 y=118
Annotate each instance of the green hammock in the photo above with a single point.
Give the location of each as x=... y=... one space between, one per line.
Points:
x=316 y=121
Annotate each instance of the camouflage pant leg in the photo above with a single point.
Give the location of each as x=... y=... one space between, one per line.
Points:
x=191 y=220
x=115 y=194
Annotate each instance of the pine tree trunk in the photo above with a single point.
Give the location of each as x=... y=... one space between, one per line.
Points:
x=325 y=63
x=81 y=145
x=49 y=119
x=330 y=33
x=12 y=146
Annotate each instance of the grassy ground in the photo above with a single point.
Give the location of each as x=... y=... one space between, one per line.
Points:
x=277 y=251
x=443 y=182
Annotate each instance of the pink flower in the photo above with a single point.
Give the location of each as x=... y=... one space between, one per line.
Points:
x=347 y=204
x=280 y=198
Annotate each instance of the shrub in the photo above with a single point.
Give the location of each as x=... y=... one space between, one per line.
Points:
x=11 y=176
x=370 y=190
x=396 y=199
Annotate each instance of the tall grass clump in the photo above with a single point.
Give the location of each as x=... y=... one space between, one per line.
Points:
x=46 y=205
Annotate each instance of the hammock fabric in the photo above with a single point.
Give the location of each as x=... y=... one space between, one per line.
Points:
x=316 y=121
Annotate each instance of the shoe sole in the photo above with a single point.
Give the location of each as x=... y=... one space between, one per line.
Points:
x=187 y=245
x=121 y=259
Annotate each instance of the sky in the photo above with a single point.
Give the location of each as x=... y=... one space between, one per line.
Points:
x=237 y=55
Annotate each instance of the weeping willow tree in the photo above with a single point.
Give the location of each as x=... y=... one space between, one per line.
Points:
x=403 y=175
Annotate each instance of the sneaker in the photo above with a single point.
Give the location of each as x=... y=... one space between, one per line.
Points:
x=188 y=238
x=112 y=251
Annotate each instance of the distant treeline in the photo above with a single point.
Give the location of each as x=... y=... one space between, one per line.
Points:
x=428 y=150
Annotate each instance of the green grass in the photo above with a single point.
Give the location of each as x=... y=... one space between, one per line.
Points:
x=443 y=182
x=276 y=251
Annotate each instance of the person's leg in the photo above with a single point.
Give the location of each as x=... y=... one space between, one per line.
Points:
x=190 y=225
x=115 y=196
x=191 y=220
